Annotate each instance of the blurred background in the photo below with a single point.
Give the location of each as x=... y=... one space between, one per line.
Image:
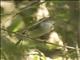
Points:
x=40 y=30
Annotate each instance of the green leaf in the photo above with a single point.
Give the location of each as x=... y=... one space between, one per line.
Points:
x=17 y=24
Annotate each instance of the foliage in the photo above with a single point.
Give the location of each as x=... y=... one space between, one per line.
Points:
x=23 y=38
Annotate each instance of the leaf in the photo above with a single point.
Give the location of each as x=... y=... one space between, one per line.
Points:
x=17 y=24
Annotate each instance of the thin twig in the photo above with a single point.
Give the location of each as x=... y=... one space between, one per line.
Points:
x=36 y=39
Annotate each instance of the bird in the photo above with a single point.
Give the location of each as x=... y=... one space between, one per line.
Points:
x=42 y=28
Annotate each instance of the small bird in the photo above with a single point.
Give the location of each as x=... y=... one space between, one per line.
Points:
x=42 y=28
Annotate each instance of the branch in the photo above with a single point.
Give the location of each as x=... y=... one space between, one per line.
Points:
x=39 y=40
